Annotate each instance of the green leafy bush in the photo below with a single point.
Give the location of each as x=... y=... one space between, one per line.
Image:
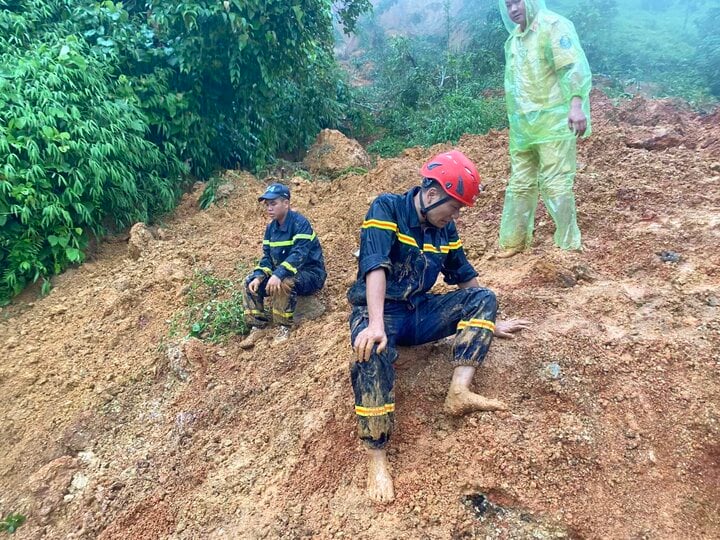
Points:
x=11 y=522
x=72 y=151
x=428 y=91
x=105 y=105
x=708 y=50
x=214 y=309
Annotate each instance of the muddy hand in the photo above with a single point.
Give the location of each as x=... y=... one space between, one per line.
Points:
x=506 y=329
x=365 y=341
x=274 y=285
x=254 y=284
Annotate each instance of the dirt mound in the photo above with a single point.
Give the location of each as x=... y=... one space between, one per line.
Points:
x=661 y=124
x=333 y=154
x=112 y=430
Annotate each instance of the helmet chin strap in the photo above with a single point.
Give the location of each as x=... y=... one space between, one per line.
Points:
x=425 y=209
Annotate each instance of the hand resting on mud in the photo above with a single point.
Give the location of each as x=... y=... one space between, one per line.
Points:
x=506 y=329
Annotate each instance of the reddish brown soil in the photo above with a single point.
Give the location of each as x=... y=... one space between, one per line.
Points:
x=102 y=438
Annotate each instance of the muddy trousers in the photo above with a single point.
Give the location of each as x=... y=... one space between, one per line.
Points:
x=467 y=313
x=261 y=308
x=548 y=169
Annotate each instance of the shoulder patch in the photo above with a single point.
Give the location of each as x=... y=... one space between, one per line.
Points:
x=565 y=42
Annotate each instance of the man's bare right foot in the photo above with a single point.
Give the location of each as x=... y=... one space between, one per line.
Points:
x=379 y=483
x=459 y=402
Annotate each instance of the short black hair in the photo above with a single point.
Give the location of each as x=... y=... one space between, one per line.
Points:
x=429 y=183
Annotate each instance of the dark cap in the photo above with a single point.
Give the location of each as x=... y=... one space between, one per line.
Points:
x=275 y=191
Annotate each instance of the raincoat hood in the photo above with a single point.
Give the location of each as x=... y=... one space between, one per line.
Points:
x=532 y=8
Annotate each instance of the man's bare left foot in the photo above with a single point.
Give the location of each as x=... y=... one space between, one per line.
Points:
x=459 y=402
x=379 y=483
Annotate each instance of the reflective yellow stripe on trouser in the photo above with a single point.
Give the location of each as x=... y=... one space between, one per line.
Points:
x=283 y=303
x=476 y=323
x=375 y=411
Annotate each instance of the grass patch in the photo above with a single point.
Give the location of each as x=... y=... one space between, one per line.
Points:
x=214 y=309
x=11 y=522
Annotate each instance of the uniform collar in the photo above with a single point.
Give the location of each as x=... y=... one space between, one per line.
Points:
x=412 y=217
x=284 y=226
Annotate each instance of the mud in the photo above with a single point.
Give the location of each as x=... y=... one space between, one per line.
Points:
x=621 y=442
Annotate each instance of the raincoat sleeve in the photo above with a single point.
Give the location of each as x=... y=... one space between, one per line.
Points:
x=377 y=236
x=568 y=57
x=303 y=238
x=265 y=266
x=457 y=269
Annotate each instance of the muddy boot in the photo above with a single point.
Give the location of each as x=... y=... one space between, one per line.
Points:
x=283 y=333
x=252 y=338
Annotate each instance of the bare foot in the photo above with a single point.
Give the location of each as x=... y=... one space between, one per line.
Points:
x=379 y=482
x=507 y=253
x=459 y=402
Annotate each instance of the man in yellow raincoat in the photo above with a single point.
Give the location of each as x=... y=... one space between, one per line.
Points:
x=547 y=84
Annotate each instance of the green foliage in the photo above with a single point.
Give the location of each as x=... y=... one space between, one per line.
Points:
x=350 y=10
x=426 y=90
x=708 y=49
x=11 y=523
x=595 y=22
x=649 y=46
x=104 y=106
x=430 y=87
x=353 y=170
x=72 y=151
x=454 y=115
x=214 y=309
x=207 y=198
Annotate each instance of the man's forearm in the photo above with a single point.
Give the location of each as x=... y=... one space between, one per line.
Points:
x=469 y=283
x=375 y=283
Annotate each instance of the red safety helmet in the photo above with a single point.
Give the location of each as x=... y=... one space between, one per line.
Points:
x=456 y=174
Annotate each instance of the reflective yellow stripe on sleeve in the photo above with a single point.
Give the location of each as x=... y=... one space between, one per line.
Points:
x=278 y=244
x=407 y=239
x=289 y=266
x=285 y=243
x=265 y=269
x=377 y=224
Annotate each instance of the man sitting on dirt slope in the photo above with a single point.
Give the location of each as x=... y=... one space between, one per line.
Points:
x=292 y=264
x=547 y=84
x=405 y=242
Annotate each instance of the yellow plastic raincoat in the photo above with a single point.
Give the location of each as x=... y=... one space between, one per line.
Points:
x=545 y=68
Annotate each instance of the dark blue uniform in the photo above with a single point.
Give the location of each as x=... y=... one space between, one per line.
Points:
x=291 y=252
x=412 y=256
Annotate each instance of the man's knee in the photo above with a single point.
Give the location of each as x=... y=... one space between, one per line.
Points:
x=522 y=188
x=309 y=283
x=560 y=185
x=485 y=299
